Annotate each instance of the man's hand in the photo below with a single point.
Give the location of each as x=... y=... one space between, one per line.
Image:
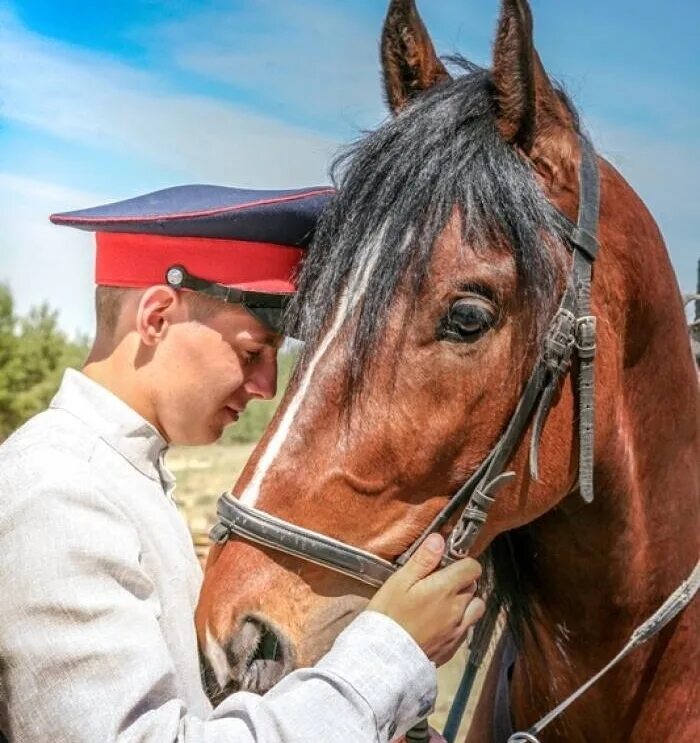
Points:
x=436 y=609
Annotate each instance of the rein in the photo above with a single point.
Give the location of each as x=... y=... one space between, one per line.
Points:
x=670 y=609
x=571 y=332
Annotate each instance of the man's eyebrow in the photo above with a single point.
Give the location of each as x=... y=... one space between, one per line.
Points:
x=270 y=339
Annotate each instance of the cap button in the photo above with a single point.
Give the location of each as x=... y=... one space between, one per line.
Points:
x=175 y=276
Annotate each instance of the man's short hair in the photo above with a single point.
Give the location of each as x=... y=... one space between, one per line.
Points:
x=109 y=302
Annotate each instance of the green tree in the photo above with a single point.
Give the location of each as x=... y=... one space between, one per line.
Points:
x=34 y=353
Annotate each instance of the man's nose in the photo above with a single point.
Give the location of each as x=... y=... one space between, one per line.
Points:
x=262 y=381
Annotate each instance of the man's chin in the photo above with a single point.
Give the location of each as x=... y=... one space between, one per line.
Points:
x=200 y=438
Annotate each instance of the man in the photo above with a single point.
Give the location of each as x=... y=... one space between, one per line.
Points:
x=100 y=581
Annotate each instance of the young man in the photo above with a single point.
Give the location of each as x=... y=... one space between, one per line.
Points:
x=100 y=581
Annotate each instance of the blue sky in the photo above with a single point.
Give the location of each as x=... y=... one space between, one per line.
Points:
x=142 y=94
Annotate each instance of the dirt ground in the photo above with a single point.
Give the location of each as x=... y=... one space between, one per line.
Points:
x=203 y=473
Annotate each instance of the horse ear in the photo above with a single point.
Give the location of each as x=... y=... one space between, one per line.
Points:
x=528 y=103
x=408 y=56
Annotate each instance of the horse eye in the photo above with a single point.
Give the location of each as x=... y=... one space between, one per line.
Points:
x=467 y=320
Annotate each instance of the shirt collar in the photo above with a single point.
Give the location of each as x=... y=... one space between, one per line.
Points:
x=118 y=425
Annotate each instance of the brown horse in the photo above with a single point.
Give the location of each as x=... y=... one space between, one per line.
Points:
x=423 y=303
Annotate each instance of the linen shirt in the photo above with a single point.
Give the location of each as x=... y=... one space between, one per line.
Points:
x=98 y=588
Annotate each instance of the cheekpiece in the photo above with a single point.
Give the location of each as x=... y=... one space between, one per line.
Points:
x=241 y=246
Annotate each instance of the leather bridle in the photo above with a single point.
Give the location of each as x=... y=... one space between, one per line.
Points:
x=572 y=331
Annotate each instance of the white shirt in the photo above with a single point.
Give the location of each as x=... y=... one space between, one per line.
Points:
x=98 y=588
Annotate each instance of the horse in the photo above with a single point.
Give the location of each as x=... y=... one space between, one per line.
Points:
x=424 y=303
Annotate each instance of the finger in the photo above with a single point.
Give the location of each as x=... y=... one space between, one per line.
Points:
x=422 y=563
x=469 y=590
x=455 y=578
x=472 y=614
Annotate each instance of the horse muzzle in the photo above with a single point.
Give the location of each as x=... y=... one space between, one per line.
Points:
x=254 y=658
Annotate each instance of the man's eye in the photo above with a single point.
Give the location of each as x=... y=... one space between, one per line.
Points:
x=467 y=321
x=250 y=357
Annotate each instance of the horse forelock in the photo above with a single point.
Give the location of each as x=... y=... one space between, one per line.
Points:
x=404 y=182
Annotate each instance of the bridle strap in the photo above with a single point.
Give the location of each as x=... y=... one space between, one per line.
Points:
x=240 y=520
x=480 y=488
x=572 y=328
x=478 y=649
x=584 y=239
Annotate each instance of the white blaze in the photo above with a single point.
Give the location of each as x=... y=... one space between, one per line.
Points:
x=357 y=286
x=217 y=660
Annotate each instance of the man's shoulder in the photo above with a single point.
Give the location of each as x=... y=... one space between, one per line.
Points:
x=50 y=454
x=49 y=481
x=49 y=435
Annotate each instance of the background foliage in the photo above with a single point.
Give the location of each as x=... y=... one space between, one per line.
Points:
x=34 y=352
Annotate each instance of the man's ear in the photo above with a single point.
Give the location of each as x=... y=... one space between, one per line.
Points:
x=160 y=307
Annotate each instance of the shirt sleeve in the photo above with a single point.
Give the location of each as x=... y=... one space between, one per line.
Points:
x=83 y=658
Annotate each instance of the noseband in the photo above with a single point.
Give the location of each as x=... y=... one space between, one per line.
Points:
x=572 y=331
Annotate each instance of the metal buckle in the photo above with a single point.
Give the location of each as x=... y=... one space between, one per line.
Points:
x=461 y=538
x=175 y=276
x=219 y=533
x=475 y=514
x=560 y=341
x=586 y=332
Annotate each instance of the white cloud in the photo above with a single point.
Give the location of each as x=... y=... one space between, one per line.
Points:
x=86 y=98
x=44 y=263
x=83 y=96
x=660 y=169
x=665 y=174
x=309 y=56
x=317 y=58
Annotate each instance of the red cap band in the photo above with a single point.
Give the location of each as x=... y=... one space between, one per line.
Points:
x=139 y=261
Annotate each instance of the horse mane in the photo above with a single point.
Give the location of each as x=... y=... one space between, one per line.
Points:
x=397 y=188
x=509 y=567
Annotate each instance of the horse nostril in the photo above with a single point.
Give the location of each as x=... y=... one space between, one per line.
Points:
x=267 y=659
x=270 y=647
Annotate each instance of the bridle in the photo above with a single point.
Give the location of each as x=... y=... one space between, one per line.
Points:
x=572 y=331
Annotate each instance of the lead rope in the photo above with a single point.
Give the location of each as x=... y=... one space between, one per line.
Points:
x=673 y=606
x=478 y=647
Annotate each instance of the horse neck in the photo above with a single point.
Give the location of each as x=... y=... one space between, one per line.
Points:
x=618 y=559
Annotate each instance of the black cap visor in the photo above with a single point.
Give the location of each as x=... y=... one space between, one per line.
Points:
x=266 y=307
